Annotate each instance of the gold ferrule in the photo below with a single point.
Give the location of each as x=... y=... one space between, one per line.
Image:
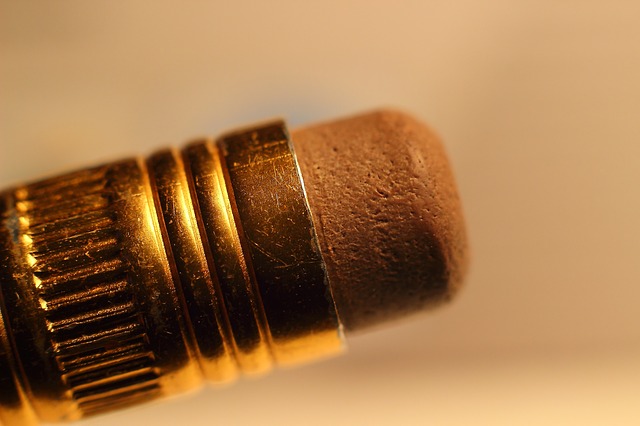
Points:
x=142 y=278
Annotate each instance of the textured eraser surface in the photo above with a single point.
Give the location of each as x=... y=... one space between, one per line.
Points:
x=387 y=214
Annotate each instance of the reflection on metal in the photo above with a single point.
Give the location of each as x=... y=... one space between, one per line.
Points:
x=140 y=279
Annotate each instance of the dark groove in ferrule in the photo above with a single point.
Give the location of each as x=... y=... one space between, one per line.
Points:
x=220 y=233
x=201 y=301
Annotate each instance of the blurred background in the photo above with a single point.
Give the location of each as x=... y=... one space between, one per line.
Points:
x=538 y=103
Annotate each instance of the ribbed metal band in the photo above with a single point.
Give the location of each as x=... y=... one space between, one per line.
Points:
x=138 y=279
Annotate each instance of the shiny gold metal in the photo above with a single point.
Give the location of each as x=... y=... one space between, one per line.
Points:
x=142 y=278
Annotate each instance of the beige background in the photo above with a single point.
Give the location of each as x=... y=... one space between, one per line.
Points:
x=538 y=102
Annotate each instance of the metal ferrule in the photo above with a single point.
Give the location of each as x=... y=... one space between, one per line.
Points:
x=142 y=278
